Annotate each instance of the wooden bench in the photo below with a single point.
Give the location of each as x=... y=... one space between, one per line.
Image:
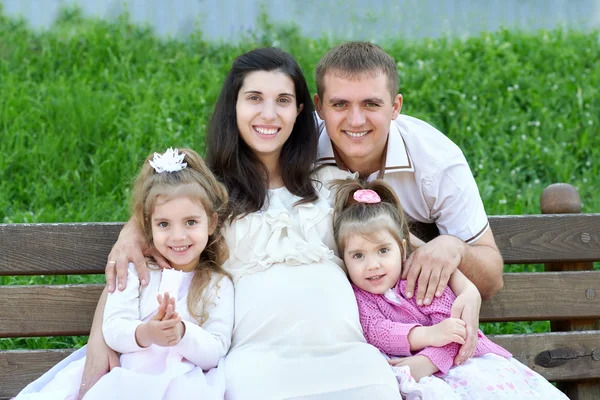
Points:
x=569 y=295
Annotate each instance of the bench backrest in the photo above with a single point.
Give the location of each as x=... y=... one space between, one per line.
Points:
x=82 y=248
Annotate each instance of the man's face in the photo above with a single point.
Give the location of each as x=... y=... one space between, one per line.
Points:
x=357 y=112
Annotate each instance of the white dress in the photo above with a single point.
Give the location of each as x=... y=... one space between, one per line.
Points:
x=155 y=372
x=297 y=332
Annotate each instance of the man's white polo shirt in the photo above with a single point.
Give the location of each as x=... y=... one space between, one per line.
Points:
x=430 y=176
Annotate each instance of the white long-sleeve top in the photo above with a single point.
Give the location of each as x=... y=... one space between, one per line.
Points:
x=204 y=346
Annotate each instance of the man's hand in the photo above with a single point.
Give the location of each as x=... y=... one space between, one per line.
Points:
x=130 y=247
x=420 y=366
x=466 y=307
x=99 y=360
x=451 y=330
x=431 y=266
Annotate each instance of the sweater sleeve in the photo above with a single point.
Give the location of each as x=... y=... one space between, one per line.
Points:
x=388 y=336
x=437 y=311
x=121 y=315
x=205 y=345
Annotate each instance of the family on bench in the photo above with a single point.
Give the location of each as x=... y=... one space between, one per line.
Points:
x=282 y=265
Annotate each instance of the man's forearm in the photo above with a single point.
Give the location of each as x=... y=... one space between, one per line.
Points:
x=483 y=266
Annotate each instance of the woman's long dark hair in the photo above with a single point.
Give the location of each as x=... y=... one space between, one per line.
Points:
x=235 y=164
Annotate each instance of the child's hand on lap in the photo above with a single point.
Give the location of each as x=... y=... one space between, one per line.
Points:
x=420 y=366
x=451 y=330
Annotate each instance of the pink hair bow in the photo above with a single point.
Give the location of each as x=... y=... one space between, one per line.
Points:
x=366 y=196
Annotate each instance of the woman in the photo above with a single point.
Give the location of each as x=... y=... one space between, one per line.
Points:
x=297 y=333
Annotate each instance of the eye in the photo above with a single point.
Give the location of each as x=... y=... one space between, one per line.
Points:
x=384 y=250
x=372 y=105
x=191 y=222
x=253 y=97
x=357 y=256
x=285 y=100
x=163 y=224
x=339 y=105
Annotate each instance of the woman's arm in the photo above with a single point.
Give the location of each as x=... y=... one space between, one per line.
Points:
x=100 y=358
x=466 y=307
x=205 y=346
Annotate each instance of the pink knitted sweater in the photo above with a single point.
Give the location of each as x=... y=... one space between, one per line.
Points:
x=386 y=325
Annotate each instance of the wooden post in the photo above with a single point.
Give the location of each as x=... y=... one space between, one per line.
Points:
x=562 y=198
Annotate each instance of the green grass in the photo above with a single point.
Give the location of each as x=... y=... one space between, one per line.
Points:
x=83 y=103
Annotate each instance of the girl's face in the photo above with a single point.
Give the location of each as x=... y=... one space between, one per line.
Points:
x=180 y=230
x=266 y=112
x=374 y=262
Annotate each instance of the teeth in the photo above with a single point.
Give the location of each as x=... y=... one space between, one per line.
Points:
x=356 y=134
x=266 y=131
x=180 y=248
x=373 y=278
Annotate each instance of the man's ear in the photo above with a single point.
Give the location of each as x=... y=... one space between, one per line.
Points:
x=397 y=106
x=318 y=105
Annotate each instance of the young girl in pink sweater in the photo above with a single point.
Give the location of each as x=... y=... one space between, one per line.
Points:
x=372 y=235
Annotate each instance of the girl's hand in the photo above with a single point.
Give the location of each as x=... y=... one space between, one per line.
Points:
x=161 y=333
x=100 y=359
x=420 y=366
x=466 y=307
x=451 y=330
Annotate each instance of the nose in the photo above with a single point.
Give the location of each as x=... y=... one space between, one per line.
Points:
x=269 y=111
x=356 y=117
x=179 y=233
x=373 y=263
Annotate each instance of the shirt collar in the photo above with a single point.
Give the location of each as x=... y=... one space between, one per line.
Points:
x=397 y=156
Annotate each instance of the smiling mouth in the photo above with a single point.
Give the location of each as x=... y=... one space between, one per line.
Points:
x=266 y=131
x=356 y=134
x=180 y=249
x=376 y=277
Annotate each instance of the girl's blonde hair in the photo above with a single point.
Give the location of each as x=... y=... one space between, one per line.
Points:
x=354 y=218
x=197 y=182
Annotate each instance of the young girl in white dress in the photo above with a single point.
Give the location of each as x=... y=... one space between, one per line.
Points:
x=372 y=235
x=180 y=324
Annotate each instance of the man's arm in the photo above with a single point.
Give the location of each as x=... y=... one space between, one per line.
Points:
x=483 y=265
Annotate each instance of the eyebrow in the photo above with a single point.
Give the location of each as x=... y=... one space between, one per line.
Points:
x=377 y=100
x=159 y=218
x=259 y=92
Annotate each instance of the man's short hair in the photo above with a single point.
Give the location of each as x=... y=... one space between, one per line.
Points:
x=350 y=59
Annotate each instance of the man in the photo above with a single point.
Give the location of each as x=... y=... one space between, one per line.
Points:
x=362 y=131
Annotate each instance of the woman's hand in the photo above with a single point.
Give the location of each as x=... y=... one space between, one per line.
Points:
x=466 y=307
x=130 y=247
x=100 y=359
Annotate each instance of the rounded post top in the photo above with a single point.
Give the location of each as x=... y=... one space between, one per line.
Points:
x=560 y=198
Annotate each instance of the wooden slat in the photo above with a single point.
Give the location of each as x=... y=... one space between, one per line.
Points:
x=57 y=310
x=547 y=238
x=545 y=296
x=558 y=356
x=20 y=367
x=68 y=309
x=524 y=239
x=53 y=249
x=83 y=247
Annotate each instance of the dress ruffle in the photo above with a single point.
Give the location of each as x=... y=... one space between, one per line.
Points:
x=281 y=233
x=284 y=232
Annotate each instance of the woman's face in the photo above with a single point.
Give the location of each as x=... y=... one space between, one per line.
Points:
x=266 y=112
